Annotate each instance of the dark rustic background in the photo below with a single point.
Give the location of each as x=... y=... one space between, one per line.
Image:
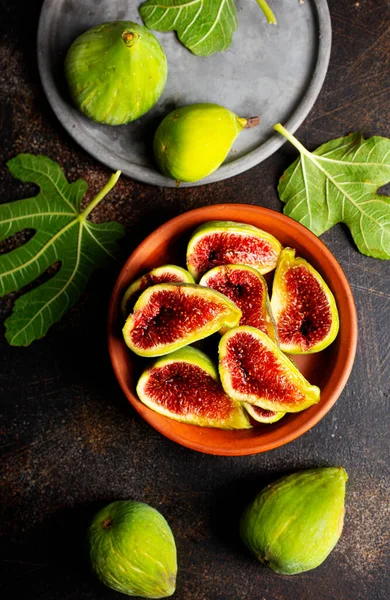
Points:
x=70 y=441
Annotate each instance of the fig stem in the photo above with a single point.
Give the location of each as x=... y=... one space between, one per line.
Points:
x=280 y=129
x=103 y=192
x=129 y=38
x=267 y=12
x=252 y=122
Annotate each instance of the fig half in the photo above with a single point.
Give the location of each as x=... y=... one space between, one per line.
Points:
x=184 y=386
x=254 y=370
x=247 y=288
x=228 y=243
x=261 y=415
x=169 y=316
x=164 y=274
x=303 y=306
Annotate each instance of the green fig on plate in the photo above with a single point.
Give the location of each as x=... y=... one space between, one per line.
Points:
x=193 y=141
x=116 y=72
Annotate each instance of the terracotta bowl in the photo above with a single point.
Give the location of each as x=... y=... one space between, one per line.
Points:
x=328 y=369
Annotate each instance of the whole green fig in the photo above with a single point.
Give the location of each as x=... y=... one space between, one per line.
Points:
x=132 y=550
x=294 y=523
x=116 y=72
x=191 y=142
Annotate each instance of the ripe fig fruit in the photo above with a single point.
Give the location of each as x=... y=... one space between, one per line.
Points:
x=184 y=386
x=164 y=274
x=228 y=243
x=247 y=288
x=303 y=306
x=191 y=142
x=261 y=415
x=169 y=316
x=254 y=370
x=116 y=72
x=294 y=523
x=132 y=550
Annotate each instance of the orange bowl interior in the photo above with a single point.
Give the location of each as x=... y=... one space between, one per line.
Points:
x=328 y=369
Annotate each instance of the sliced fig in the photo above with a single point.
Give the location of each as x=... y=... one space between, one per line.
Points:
x=169 y=316
x=303 y=306
x=254 y=370
x=184 y=386
x=164 y=274
x=228 y=243
x=262 y=415
x=247 y=288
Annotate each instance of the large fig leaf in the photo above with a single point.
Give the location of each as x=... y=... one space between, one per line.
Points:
x=204 y=26
x=338 y=183
x=62 y=235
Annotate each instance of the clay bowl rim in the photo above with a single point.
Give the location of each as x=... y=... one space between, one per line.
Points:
x=282 y=433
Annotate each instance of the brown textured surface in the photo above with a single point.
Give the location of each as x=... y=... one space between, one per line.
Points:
x=69 y=439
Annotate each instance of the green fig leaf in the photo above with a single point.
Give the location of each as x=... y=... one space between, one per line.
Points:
x=338 y=183
x=203 y=26
x=62 y=235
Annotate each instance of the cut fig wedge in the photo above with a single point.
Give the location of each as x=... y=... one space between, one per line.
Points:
x=248 y=289
x=254 y=370
x=164 y=274
x=303 y=306
x=184 y=386
x=169 y=316
x=218 y=243
x=261 y=415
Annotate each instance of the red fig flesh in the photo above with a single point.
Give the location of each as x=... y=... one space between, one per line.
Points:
x=218 y=243
x=303 y=306
x=184 y=386
x=247 y=288
x=254 y=370
x=169 y=316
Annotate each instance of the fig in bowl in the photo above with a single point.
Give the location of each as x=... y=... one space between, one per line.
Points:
x=327 y=370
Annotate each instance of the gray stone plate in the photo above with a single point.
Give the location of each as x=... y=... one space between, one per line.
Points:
x=275 y=72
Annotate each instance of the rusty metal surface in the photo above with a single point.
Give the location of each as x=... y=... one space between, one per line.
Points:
x=69 y=440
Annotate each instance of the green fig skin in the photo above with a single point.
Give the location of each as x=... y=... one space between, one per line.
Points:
x=193 y=141
x=116 y=72
x=132 y=550
x=294 y=523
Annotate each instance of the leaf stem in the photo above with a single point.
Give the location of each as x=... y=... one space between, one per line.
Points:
x=103 y=192
x=280 y=129
x=267 y=12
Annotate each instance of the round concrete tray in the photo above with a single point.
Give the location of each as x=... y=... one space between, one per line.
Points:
x=275 y=72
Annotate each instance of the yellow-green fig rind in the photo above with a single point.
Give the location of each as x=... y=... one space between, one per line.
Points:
x=190 y=405
x=229 y=234
x=163 y=274
x=116 y=72
x=292 y=392
x=280 y=303
x=263 y=318
x=193 y=141
x=270 y=416
x=294 y=523
x=132 y=550
x=187 y=302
